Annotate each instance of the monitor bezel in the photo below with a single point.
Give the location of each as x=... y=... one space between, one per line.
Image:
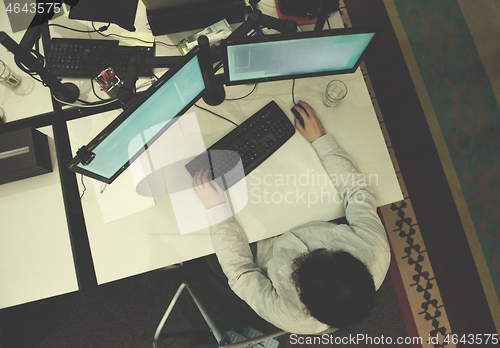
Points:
x=73 y=165
x=300 y=35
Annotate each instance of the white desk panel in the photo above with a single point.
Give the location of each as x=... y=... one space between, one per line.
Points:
x=286 y=190
x=36 y=260
x=31 y=98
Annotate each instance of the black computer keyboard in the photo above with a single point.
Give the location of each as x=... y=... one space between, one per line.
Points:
x=243 y=149
x=85 y=58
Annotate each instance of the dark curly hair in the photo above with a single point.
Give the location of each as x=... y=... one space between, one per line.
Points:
x=335 y=287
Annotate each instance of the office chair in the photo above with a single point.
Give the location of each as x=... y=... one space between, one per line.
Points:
x=211 y=324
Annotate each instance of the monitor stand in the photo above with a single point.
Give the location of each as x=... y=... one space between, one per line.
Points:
x=215 y=93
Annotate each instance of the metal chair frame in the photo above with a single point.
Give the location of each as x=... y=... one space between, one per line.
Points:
x=210 y=323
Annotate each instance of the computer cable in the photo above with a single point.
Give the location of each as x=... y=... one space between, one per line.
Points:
x=84 y=187
x=146 y=84
x=133 y=38
x=36 y=53
x=103 y=28
x=165 y=44
x=213 y=113
x=93 y=90
x=106 y=27
x=293 y=94
x=85 y=103
x=218 y=67
x=253 y=89
x=31 y=73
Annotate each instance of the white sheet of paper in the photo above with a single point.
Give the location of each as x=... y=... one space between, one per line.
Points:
x=160 y=171
x=120 y=199
x=190 y=213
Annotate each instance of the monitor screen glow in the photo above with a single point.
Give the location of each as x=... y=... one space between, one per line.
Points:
x=125 y=142
x=306 y=56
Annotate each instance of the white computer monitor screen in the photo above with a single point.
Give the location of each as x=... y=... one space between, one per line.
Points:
x=305 y=54
x=134 y=130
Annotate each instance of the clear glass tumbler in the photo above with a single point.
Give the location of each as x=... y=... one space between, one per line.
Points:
x=336 y=90
x=8 y=78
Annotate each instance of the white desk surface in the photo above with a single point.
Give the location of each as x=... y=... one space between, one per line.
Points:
x=35 y=251
x=31 y=97
x=36 y=260
x=151 y=239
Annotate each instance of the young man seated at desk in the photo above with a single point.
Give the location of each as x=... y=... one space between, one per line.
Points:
x=318 y=275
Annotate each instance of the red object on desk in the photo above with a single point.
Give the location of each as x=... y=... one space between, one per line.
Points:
x=299 y=20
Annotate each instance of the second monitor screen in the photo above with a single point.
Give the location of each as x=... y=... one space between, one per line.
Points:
x=147 y=121
x=313 y=56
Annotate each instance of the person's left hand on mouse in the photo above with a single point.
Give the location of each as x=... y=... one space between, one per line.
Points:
x=208 y=191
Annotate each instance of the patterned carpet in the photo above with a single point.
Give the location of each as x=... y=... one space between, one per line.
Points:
x=467 y=111
x=463 y=116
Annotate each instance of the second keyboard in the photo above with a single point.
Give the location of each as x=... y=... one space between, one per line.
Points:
x=84 y=57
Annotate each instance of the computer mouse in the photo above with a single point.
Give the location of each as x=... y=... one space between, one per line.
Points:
x=297 y=115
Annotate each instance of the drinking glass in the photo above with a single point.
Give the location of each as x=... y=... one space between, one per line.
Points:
x=8 y=77
x=336 y=90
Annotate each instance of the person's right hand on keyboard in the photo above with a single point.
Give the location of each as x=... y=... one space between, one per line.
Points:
x=313 y=128
x=207 y=190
